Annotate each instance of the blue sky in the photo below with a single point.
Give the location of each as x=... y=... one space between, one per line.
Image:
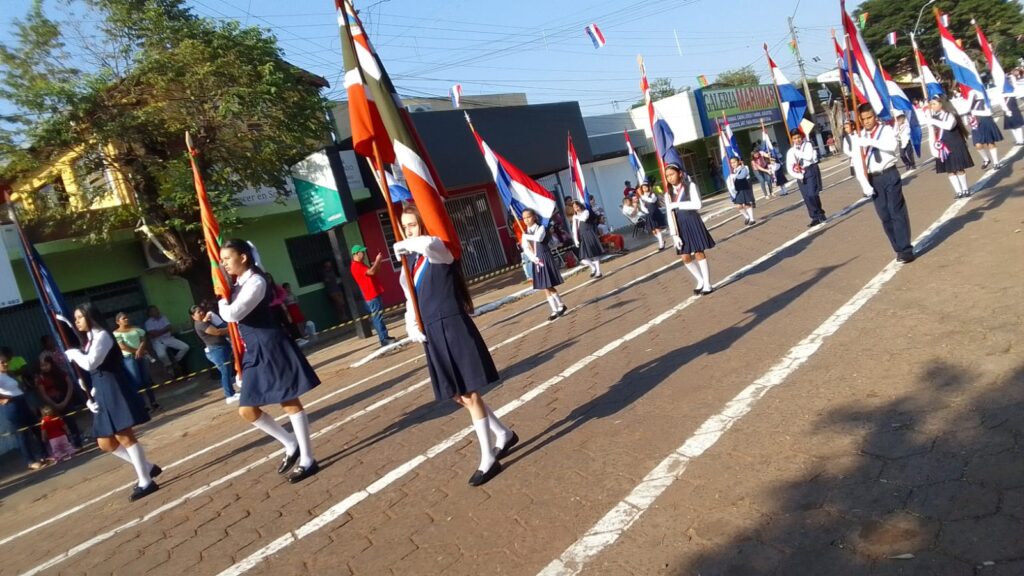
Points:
x=534 y=46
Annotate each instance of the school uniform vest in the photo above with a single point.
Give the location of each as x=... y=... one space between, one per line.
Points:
x=436 y=291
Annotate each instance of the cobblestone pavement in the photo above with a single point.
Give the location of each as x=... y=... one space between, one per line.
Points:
x=895 y=449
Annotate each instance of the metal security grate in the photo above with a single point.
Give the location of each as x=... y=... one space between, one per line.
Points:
x=481 y=248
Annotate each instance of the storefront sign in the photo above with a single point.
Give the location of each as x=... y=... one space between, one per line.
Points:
x=744 y=106
x=318 y=193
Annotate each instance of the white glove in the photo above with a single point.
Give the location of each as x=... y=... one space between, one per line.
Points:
x=93 y=406
x=400 y=249
x=577 y=244
x=92 y=392
x=678 y=242
x=81 y=384
x=415 y=334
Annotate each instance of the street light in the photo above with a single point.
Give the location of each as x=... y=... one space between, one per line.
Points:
x=920 y=14
x=913 y=44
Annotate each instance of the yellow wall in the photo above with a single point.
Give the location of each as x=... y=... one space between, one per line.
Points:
x=63 y=167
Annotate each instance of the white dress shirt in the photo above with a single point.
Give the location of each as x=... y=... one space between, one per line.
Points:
x=100 y=344
x=694 y=203
x=531 y=237
x=798 y=158
x=880 y=145
x=9 y=387
x=252 y=288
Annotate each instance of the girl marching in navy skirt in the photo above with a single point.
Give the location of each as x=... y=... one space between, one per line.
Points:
x=693 y=238
x=952 y=156
x=545 y=267
x=274 y=370
x=457 y=358
x=1013 y=120
x=584 y=235
x=116 y=404
x=984 y=131
x=655 y=219
x=741 y=190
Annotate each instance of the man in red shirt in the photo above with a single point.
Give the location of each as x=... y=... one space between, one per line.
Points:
x=366 y=278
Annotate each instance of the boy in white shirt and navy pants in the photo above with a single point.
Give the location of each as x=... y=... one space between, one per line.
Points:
x=878 y=144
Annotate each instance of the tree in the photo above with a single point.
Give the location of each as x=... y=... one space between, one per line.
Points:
x=1001 y=20
x=151 y=71
x=660 y=88
x=745 y=76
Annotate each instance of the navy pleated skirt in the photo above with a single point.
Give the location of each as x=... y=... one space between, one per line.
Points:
x=987 y=132
x=274 y=370
x=121 y=406
x=1013 y=118
x=546 y=276
x=693 y=232
x=959 y=158
x=457 y=357
x=590 y=243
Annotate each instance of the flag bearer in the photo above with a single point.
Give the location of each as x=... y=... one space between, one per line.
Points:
x=952 y=156
x=984 y=131
x=693 y=238
x=274 y=370
x=584 y=235
x=802 y=165
x=741 y=190
x=545 y=273
x=879 y=144
x=457 y=358
x=655 y=220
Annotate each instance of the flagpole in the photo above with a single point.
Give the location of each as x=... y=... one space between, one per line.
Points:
x=778 y=96
x=396 y=227
x=842 y=87
x=920 y=70
x=673 y=227
x=37 y=284
x=856 y=116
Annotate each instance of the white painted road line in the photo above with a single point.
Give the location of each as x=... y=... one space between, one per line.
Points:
x=609 y=528
x=334 y=512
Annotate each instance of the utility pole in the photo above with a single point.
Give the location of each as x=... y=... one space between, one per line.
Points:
x=800 y=62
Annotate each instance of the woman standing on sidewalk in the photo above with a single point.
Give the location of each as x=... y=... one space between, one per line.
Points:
x=952 y=156
x=457 y=358
x=116 y=404
x=741 y=190
x=693 y=239
x=654 y=218
x=545 y=268
x=584 y=235
x=274 y=371
x=133 y=344
x=759 y=163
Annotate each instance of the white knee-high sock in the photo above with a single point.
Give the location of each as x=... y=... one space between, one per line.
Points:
x=501 y=432
x=138 y=459
x=994 y=154
x=483 y=435
x=551 y=302
x=275 y=431
x=962 y=178
x=955 y=182
x=661 y=240
x=1018 y=135
x=983 y=153
x=558 y=301
x=597 y=267
x=300 y=424
x=695 y=271
x=123 y=455
x=587 y=263
x=705 y=273
x=750 y=213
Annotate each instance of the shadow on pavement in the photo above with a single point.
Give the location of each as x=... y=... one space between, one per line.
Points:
x=919 y=498
x=645 y=377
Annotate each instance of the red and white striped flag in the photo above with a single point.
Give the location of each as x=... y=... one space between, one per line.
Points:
x=579 y=184
x=456 y=95
x=398 y=130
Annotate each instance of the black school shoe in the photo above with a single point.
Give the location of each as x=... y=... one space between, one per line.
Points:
x=906 y=258
x=553 y=316
x=480 y=477
x=140 y=492
x=288 y=462
x=300 y=473
x=504 y=451
x=155 y=471
x=562 y=310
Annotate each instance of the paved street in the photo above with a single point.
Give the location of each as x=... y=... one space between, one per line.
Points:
x=825 y=411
